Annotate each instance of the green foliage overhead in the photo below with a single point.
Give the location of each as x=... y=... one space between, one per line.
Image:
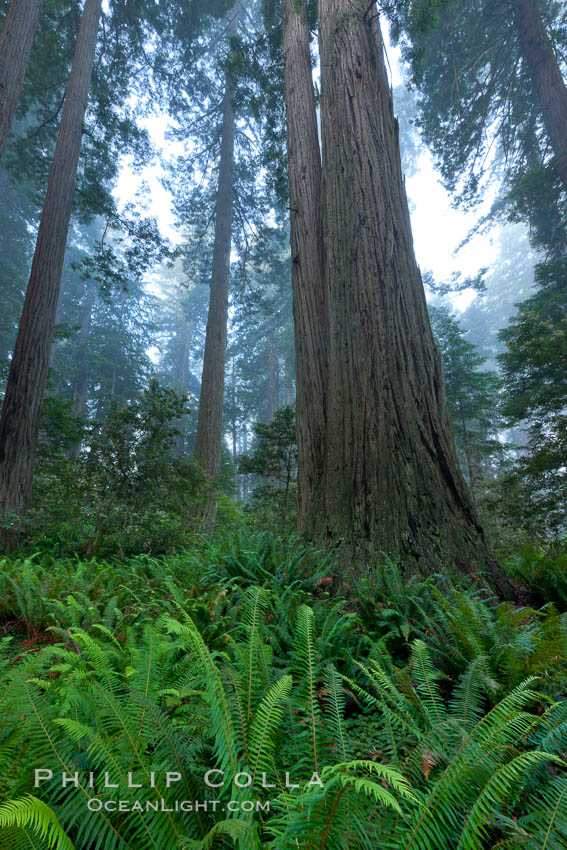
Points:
x=474 y=87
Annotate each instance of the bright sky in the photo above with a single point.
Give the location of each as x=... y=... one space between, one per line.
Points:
x=438 y=228
x=144 y=187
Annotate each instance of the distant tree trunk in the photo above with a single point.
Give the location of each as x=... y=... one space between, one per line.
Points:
x=549 y=85
x=25 y=388
x=80 y=384
x=208 y=442
x=243 y=451
x=273 y=381
x=81 y=380
x=51 y=391
x=309 y=307
x=288 y=383
x=184 y=336
x=16 y=41
x=468 y=456
x=234 y=432
x=392 y=481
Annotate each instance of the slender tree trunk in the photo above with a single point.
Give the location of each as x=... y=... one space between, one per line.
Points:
x=467 y=448
x=51 y=390
x=243 y=451
x=309 y=307
x=81 y=380
x=16 y=41
x=549 y=85
x=273 y=381
x=184 y=336
x=288 y=383
x=392 y=481
x=208 y=442
x=25 y=388
x=234 y=432
x=80 y=384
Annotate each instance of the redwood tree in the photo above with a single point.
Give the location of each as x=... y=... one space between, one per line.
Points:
x=486 y=72
x=391 y=480
x=309 y=308
x=16 y=41
x=208 y=442
x=25 y=388
x=547 y=79
x=184 y=337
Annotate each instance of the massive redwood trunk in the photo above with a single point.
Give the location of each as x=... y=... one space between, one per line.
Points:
x=16 y=41
x=25 y=388
x=208 y=442
x=309 y=308
x=391 y=480
x=549 y=85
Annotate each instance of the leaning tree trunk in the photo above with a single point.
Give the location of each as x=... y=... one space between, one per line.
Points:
x=548 y=82
x=25 y=388
x=309 y=308
x=208 y=442
x=16 y=41
x=392 y=482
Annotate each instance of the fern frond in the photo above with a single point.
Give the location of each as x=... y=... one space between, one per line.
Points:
x=425 y=677
x=306 y=654
x=221 y=715
x=234 y=829
x=387 y=774
x=504 y=725
x=30 y=812
x=467 y=699
x=254 y=610
x=547 y=820
x=266 y=722
x=494 y=795
x=336 y=711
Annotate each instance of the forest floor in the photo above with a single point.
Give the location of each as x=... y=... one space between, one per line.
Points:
x=432 y=713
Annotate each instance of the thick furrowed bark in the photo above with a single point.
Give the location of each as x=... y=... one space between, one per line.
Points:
x=549 y=85
x=25 y=388
x=208 y=442
x=309 y=309
x=16 y=41
x=392 y=482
